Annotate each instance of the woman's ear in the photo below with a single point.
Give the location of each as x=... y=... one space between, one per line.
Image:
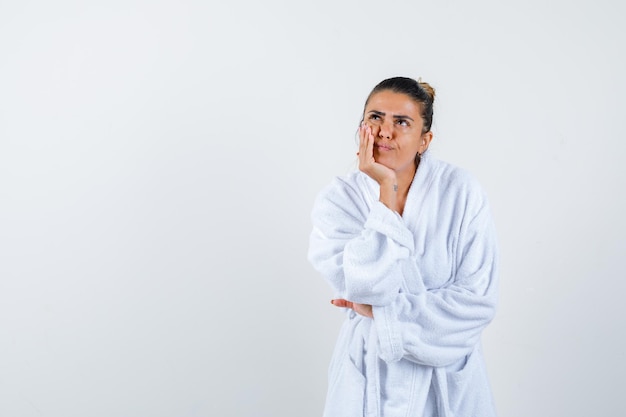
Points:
x=426 y=139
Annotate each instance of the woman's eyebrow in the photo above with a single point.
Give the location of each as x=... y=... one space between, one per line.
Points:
x=395 y=116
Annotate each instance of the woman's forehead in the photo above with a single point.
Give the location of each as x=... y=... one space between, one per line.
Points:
x=392 y=102
x=395 y=104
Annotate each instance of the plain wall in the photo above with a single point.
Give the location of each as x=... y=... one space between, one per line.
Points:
x=159 y=161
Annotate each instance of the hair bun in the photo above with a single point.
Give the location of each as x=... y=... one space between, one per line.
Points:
x=429 y=90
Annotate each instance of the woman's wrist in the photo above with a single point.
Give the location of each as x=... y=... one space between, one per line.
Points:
x=389 y=193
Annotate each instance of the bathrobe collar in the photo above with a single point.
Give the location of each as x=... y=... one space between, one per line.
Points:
x=418 y=190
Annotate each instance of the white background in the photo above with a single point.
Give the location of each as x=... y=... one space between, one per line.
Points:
x=159 y=160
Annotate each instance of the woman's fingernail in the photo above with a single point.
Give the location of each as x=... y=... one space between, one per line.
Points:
x=332 y=302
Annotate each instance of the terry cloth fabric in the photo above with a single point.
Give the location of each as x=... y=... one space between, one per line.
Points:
x=431 y=277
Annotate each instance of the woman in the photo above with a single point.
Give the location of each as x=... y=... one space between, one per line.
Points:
x=408 y=245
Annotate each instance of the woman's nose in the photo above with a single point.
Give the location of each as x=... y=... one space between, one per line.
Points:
x=385 y=130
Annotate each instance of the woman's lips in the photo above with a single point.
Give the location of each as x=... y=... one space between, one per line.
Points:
x=383 y=147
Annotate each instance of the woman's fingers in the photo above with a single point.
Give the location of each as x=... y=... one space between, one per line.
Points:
x=362 y=142
x=366 y=154
x=340 y=302
x=370 y=144
x=362 y=309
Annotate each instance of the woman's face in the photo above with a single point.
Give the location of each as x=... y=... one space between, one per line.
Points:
x=396 y=123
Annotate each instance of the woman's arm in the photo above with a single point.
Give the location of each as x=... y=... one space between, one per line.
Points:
x=358 y=248
x=438 y=327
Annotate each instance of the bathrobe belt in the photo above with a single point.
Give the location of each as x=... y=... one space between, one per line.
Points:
x=372 y=375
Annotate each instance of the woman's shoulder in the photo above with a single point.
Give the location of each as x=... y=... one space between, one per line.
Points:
x=351 y=190
x=457 y=186
x=352 y=183
x=455 y=177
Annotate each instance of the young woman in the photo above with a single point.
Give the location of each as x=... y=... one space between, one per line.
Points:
x=408 y=245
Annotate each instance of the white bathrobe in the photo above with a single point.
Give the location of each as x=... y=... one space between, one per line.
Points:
x=431 y=277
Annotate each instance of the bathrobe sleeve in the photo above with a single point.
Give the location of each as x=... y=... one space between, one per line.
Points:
x=358 y=245
x=438 y=327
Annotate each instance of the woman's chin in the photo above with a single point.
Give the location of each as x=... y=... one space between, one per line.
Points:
x=385 y=160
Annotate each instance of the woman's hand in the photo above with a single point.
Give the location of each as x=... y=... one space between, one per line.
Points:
x=380 y=173
x=362 y=309
x=384 y=176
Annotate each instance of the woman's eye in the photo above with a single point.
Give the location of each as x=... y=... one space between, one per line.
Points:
x=402 y=122
x=374 y=117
